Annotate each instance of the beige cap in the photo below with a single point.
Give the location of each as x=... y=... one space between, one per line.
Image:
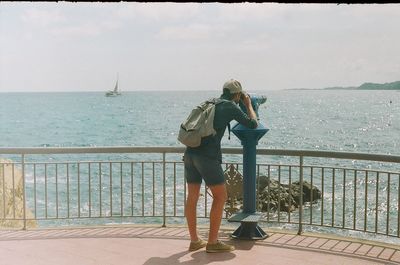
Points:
x=233 y=86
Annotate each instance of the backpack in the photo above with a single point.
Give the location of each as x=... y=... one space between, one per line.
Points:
x=199 y=123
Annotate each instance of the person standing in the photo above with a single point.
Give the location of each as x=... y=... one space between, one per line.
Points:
x=204 y=163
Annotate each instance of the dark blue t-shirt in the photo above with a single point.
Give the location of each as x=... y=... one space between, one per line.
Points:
x=225 y=112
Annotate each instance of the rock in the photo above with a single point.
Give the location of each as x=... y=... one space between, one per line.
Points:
x=12 y=198
x=273 y=196
x=307 y=191
x=263 y=182
x=277 y=196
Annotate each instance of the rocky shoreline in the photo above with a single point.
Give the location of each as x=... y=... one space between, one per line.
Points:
x=274 y=196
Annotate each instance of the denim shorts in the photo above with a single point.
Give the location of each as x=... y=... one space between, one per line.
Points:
x=199 y=167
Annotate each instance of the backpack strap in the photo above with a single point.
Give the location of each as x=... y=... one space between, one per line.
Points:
x=216 y=102
x=229 y=130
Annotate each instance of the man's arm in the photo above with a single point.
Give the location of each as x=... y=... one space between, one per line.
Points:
x=250 y=111
x=247 y=118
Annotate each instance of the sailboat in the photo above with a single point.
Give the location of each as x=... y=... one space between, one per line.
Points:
x=115 y=92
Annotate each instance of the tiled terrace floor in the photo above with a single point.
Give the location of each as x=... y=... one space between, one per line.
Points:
x=153 y=245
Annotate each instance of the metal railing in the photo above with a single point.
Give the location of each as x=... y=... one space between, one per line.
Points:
x=359 y=192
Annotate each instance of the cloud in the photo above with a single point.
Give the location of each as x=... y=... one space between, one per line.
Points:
x=97 y=19
x=194 y=31
x=258 y=44
x=158 y=11
x=68 y=21
x=86 y=29
x=42 y=17
x=239 y=12
x=90 y=28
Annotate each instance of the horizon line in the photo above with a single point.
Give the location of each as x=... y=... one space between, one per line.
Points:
x=148 y=90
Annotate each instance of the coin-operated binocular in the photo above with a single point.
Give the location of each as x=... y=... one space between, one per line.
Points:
x=248 y=217
x=256 y=101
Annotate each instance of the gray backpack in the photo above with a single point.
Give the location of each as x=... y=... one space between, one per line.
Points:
x=199 y=123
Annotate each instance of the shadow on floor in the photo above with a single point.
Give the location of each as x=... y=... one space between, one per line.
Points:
x=199 y=257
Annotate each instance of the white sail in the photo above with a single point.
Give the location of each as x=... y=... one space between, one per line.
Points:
x=115 y=92
x=116 y=87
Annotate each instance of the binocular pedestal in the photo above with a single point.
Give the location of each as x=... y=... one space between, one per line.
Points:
x=248 y=218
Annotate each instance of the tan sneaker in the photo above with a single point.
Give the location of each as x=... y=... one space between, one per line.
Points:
x=197 y=245
x=219 y=247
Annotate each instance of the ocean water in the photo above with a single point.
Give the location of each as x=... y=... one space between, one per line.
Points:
x=354 y=121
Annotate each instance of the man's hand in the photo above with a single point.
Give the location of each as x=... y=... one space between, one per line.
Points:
x=247 y=102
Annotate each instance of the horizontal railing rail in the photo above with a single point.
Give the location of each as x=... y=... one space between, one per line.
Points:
x=125 y=149
x=358 y=198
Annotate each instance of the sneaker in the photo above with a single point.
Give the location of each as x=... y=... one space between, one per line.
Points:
x=197 y=245
x=219 y=247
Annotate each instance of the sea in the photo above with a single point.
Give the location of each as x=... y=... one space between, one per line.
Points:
x=328 y=120
x=353 y=121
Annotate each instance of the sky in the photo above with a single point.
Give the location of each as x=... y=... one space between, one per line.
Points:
x=86 y=46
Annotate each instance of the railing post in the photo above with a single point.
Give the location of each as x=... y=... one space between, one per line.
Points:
x=301 y=198
x=23 y=187
x=164 y=193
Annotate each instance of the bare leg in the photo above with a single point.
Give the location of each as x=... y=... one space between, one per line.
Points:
x=219 y=199
x=191 y=209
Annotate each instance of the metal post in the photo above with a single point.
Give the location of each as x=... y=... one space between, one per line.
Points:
x=164 y=193
x=301 y=198
x=249 y=176
x=24 y=189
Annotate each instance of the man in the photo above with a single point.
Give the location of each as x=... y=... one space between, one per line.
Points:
x=204 y=163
